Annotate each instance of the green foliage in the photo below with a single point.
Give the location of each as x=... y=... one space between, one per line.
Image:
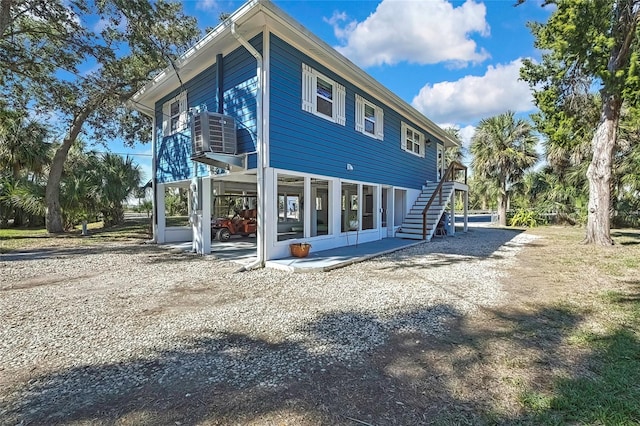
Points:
x=527 y=218
x=123 y=176
x=176 y=202
x=123 y=58
x=588 y=44
x=145 y=206
x=503 y=148
x=610 y=393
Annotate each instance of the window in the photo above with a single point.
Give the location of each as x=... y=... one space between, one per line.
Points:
x=290 y=207
x=174 y=115
x=369 y=118
x=412 y=140
x=322 y=96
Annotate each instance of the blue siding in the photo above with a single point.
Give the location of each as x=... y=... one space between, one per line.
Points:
x=239 y=85
x=304 y=142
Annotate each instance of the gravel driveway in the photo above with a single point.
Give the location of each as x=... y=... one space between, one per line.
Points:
x=134 y=333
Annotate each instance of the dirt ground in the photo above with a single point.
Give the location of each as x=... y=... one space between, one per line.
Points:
x=477 y=372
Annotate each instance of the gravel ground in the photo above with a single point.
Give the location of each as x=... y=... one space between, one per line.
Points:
x=81 y=328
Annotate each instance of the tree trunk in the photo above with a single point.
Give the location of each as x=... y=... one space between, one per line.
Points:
x=5 y=17
x=599 y=174
x=53 y=217
x=502 y=209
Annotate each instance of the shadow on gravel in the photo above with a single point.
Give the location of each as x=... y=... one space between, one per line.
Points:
x=476 y=244
x=347 y=368
x=157 y=254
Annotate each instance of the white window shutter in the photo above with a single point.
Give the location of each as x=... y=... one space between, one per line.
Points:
x=166 y=118
x=182 y=124
x=403 y=136
x=339 y=105
x=359 y=114
x=308 y=87
x=379 y=123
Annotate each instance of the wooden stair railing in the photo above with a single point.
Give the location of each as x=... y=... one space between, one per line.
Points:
x=449 y=176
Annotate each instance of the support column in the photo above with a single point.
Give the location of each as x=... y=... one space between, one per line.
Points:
x=161 y=219
x=306 y=212
x=466 y=210
x=206 y=215
x=270 y=215
x=452 y=201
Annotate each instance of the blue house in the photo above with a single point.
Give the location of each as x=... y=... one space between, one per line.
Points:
x=263 y=120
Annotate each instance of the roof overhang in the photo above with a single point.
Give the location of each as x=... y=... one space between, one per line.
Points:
x=251 y=19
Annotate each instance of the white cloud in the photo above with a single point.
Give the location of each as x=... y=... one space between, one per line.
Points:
x=475 y=97
x=422 y=32
x=465 y=133
x=206 y=4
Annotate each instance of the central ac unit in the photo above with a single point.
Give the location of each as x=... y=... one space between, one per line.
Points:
x=213 y=132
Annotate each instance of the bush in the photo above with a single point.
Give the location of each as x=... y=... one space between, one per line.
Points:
x=527 y=218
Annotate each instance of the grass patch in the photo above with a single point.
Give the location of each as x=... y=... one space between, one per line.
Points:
x=610 y=394
x=20 y=233
x=16 y=239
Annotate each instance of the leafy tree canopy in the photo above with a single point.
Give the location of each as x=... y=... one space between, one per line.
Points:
x=589 y=73
x=54 y=61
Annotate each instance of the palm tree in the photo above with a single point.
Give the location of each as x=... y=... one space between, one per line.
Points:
x=23 y=146
x=503 y=148
x=454 y=153
x=120 y=177
x=24 y=153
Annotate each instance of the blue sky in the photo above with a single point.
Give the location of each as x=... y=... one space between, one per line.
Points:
x=457 y=62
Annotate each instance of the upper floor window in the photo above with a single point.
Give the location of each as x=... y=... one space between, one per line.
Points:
x=174 y=115
x=412 y=140
x=369 y=118
x=323 y=96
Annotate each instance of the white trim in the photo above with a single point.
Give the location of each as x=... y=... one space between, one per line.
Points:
x=181 y=123
x=308 y=83
x=403 y=140
x=340 y=113
x=266 y=107
x=310 y=96
x=361 y=105
x=252 y=15
x=359 y=114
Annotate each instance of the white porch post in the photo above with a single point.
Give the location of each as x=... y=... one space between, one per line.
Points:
x=160 y=211
x=306 y=212
x=206 y=215
x=453 y=213
x=391 y=211
x=269 y=215
x=466 y=210
x=335 y=193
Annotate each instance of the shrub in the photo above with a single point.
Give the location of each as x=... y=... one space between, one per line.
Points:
x=527 y=218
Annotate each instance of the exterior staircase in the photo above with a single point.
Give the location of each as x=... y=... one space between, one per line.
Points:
x=412 y=225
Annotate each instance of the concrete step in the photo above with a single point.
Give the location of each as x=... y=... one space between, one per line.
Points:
x=410 y=236
x=418 y=220
x=414 y=227
x=432 y=213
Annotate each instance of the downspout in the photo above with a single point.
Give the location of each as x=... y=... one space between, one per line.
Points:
x=259 y=263
x=151 y=113
x=154 y=181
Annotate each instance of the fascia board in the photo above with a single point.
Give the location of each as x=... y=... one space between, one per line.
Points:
x=195 y=57
x=281 y=24
x=293 y=32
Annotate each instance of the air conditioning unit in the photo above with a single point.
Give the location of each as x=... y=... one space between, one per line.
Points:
x=213 y=132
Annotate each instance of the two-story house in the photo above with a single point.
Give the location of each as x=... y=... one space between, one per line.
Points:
x=262 y=116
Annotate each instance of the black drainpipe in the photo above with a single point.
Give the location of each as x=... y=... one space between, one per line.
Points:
x=219 y=80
